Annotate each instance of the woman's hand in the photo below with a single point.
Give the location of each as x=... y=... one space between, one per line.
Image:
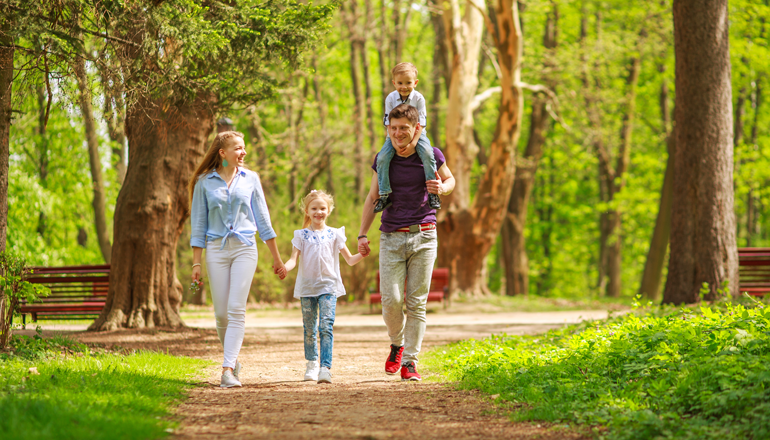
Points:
x=279 y=269
x=196 y=274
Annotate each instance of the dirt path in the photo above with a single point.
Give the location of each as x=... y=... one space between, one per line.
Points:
x=362 y=403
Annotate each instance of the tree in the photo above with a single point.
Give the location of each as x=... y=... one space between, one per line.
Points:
x=210 y=59
x=6 y=83
x=468 y=227
x=703 y=242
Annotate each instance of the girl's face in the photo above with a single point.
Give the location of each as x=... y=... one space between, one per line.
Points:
x=234 y=152
x=318 y=210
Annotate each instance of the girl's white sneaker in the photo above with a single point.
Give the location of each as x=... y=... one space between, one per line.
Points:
x=325 y=376
x=311 y=373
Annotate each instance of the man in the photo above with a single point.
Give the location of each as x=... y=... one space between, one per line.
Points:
x=408 y=241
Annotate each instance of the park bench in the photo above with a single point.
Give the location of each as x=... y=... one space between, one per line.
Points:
x=754 y=270
x=77 y=292
x=439 y=288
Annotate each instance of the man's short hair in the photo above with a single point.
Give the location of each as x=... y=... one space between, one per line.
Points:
x=402 y=68
x=405 y=111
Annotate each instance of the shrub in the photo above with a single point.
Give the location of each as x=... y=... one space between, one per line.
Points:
x=13 y=290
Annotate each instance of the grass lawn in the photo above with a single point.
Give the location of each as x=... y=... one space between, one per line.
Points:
x=689 y=373
x=58 y=389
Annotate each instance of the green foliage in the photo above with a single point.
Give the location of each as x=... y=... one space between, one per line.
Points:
x=650 y=374
x=14 y=290
x=72 y=393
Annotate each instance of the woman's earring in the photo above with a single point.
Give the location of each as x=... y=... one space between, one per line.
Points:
x=224 y=163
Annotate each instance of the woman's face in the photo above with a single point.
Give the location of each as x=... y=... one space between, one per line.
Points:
x=234 y=152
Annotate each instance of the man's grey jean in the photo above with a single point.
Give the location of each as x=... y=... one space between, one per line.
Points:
x=406 y=256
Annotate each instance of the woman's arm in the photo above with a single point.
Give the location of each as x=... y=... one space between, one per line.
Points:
x=350 y=258
x=199 y=217
x=196 y=270
x=292 y=263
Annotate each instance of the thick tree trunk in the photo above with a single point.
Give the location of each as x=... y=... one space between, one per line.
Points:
x=99 y=201
x=6 y=82
x=703 y=242
x=167 y=141
x=468 y=228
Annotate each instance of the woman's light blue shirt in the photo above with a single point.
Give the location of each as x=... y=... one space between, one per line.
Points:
x=221 y=212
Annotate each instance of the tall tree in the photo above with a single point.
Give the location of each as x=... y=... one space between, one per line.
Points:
x=703 y=242
x=513 y=239
x=173 y=94
x=92 y=140
x=468 y=226
x=6 y=83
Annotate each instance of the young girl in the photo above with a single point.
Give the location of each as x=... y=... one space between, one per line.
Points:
x=318 y=282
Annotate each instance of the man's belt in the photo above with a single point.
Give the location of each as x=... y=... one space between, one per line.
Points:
x=417 y=228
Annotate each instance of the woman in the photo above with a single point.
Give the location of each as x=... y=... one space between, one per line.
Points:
x=228 y=209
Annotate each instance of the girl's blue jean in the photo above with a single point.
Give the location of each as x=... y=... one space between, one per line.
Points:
x=424 y=151
x=318 y=317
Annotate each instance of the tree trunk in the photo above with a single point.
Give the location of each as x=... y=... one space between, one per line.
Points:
x=6 y=83
x=360 y=110
x=167 y=141
x=656 y=255
x=703 y=242
x=114 y=114
x=468 y=228
x=99 y=201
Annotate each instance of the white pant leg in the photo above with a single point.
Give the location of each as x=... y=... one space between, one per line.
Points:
x=231 y=271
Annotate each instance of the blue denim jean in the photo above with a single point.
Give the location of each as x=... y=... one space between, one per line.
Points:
x=314 y=309
x=424 y=151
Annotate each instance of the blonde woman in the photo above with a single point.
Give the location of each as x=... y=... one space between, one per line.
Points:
x=228 y=210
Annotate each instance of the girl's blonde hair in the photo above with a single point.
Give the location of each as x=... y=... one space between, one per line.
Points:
x=308 y=199
x=212 y=160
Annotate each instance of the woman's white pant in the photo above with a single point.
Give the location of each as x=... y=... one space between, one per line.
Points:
x=231 y=271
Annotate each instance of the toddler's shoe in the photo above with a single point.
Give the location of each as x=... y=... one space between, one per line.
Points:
x=394 y=360
x=325 y=376
x=382 y=203
x=311 y=373
x=229 y=380
x=434 y=201
x=409 y=372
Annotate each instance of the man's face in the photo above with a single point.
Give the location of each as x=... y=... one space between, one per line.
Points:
x=401 y=132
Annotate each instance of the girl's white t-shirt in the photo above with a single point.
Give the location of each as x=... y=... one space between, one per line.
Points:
x=319 y=262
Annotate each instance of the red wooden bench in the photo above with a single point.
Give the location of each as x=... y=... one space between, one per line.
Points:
x=754 y=270
x=77 y=292
x=439 y=288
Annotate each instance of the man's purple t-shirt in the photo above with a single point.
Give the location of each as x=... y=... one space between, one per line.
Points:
x=410 y=195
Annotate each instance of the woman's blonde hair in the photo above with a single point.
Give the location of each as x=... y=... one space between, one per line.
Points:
x=212 y=160
x=308 y=199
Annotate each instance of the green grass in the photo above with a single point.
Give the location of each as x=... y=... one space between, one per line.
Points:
x=79 y=394
x=655 y=373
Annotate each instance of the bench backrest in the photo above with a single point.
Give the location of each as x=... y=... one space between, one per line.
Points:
x=754 y=267
x=73 y=280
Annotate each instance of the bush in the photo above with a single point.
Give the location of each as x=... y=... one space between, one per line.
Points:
x=13 y=290
x=649 y=374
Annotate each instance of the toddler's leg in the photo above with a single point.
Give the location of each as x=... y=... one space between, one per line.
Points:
x=425 y=151
x=310 y=324
x=327 y=305
x=383 y=167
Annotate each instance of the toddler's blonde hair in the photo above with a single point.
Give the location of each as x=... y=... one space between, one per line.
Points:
x=403 y=68
x=308 y=199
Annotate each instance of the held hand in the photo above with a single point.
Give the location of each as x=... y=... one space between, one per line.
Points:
x=363 y=246
x=435 y=186
x=279 y=269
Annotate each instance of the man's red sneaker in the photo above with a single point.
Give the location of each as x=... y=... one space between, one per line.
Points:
x=409 y=372
x=394 y=360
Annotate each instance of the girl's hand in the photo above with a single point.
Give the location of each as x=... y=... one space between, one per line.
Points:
x=279 y=269
x=196 y=274
x=363 y=246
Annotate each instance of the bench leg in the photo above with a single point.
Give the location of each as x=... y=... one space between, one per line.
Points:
x=24 y=321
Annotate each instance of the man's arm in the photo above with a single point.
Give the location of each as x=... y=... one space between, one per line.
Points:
x=444 y=183
x=367 y=216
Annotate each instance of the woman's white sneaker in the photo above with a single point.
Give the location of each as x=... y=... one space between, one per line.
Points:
x=325 y=376
x=229 y=380
x=311 y=373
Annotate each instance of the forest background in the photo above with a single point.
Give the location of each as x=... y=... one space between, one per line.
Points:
x=609 y=70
